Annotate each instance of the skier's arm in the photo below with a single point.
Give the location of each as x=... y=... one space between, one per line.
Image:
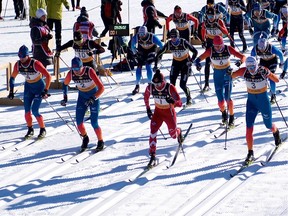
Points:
x=13 y=76
x=39 y=67
x=194 y=19
x=99 y=49
x=239 y=72
x=175 y=95
x=147 y=94
x=204 y=55
x=160 y=53
x=168 y=20
x=237 y=54
x=192 y=49
x=278 y=53
x=253 y=52
x=222 y=27
x=133 y=44
x=157 y=41
x=224 y=12
x=98 y=83
x=65 y=46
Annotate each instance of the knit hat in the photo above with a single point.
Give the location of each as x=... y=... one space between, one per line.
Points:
x=142 y=31
x=257 y=6
x=41 y=12
x=77 y=36
x=158 y=77
x=23 y=51
x=76 y=63
x=84 y=12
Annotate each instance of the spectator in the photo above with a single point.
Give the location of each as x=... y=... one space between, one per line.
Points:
x=110 y=13
x=85 y=26
x=150 y=15
x=77 y=4
x=19 y=9
x=40 y=35
x=54 y=11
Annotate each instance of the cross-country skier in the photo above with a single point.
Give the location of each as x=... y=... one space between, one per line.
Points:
x=211 y=27
x=259 y=19
x=35 y=88
x=143 y=46
x=84 y=49
x=220 y=59
x=237 y=21
x=256 y=81
x=182 y=23
x=90 y=89
x=181 y=63
x=268 y=58
x=282 y=36
x=166 y=98
x=40 y=35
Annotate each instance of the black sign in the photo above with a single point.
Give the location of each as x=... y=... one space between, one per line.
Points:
x=119 y=30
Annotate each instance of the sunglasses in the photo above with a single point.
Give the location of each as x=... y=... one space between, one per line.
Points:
x=157 y=84
x=251 y=67
x=210 y=16
x=76 y=69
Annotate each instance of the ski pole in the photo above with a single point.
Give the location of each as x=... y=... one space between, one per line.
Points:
x=58 y=114
x=281 y=112
x=73 y=122
x=5 y=8
x=176 y=125
x=198 y=83
x=162 y=134
x=233 y=41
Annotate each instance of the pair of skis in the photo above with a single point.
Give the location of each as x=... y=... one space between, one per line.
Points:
x=263 y=163
x=157 y=161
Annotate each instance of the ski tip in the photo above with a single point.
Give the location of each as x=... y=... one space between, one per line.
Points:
x=263 y=163
x=77 y=161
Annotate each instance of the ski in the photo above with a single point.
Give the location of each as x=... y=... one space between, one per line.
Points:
x=275 y=150
x=91 y=152
x=145 y=170
x=243 y=167
x=180 y=147
x=228 y=129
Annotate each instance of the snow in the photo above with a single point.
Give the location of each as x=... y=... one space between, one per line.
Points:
x=44 y=178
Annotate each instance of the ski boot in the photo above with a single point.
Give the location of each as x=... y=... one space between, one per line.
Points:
x=100 y=145
x=180 y=137
x=277 y=138
x=42 y=133
x=231 y=121
x=224 y=117
x=30 y=133
x=152 y=161
x=136 y=90
x=273 y=99
x=85 y=142
x=206 y=88
x=250 y=157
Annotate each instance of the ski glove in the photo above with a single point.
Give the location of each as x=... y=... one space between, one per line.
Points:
x=281 y=65
x=251 y=31
x=90 y=101
x=11 y=94
x=265 y=73
x=238 y=63
x=64 y=101
x=170 y=99
x=45 y=94
x=57 y=54
x=229 y=71
x=149 y=113
x=197 y=64
x=204 y=44
x=282 y=75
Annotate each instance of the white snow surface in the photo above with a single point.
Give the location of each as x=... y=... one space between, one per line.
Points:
x=35 y=181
